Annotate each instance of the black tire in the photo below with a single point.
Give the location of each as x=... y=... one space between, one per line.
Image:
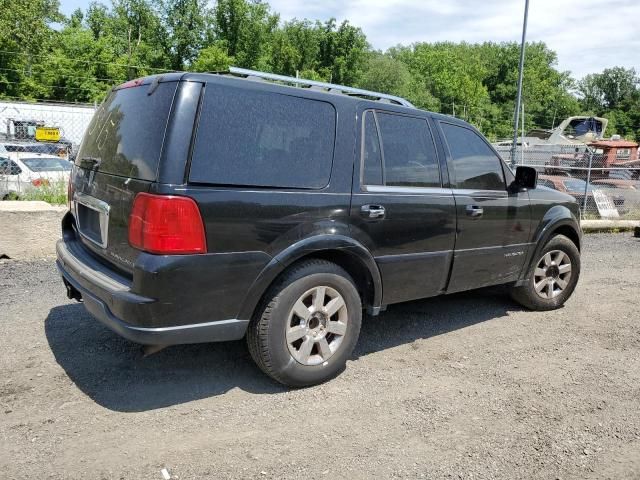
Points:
x=266 y=335
x=526 y=294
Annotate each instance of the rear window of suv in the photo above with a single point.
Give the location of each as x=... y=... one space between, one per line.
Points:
x=126 y=133
x=251 y=138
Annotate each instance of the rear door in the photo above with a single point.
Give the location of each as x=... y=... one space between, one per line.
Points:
x=400 y=210
x=493 y=224
x=118 y=158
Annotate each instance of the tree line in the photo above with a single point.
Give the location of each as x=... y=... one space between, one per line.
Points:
x=45 y=55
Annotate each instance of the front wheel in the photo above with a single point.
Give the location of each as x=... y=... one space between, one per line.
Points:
x=307 y=325
x=552 y=277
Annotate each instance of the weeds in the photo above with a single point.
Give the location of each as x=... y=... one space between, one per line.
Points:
x=54 y=193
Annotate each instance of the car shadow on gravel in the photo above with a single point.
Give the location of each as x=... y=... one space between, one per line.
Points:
x=113 y=372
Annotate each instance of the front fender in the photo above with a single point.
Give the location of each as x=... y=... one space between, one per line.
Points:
x=555 y=218
x=302 y=248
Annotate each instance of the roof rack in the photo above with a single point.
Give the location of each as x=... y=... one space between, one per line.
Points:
x=321 y=86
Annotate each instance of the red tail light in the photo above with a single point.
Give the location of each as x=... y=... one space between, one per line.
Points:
x=166 y=224
x=39 y=182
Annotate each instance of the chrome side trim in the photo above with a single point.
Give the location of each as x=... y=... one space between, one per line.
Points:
x=406 y=190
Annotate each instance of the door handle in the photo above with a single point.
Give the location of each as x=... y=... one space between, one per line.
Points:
x=372 y=211
x=474 y=211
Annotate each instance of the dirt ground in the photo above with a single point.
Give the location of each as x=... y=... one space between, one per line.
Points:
x=464 y=386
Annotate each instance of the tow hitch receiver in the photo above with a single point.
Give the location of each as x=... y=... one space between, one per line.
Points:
x=72 y=293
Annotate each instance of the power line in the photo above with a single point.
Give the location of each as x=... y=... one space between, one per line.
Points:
x=50 y=56
x=113 y=80
x=43 y=100
x=63 y=87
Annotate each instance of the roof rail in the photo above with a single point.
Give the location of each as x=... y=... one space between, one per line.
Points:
x=324 y=86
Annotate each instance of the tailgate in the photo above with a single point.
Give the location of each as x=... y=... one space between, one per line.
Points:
x=119 y=158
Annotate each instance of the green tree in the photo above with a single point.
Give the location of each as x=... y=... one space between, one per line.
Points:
x=614 y=94
x=185 y=23
x=138 y=38
x=295 y=47
x=245 y=27
x=25 y=36
x=342 y=52
x=212 y=59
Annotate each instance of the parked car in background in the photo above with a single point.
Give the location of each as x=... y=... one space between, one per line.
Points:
x=620 y=183
x=60 y=150
x=629 y=190
x=576 y=188
x=21 y=172
x=29 y=135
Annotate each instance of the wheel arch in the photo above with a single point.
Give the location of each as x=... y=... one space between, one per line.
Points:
x=558 y=220
x=349 y=254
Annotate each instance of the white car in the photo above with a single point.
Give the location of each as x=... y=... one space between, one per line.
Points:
x=21 y=172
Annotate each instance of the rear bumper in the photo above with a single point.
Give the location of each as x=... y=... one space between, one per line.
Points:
x=110 y=300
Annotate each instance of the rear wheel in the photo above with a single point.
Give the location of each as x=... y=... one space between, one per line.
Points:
x=307 y=325
x=552 y=277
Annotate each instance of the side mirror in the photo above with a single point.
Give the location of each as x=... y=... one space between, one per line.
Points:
x=526 y=178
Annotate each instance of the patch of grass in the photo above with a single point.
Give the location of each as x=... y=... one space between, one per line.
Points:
x=54 y=193
x=12 y=196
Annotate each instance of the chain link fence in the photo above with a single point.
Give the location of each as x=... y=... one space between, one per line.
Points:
x=604 y=176
x=50 y=129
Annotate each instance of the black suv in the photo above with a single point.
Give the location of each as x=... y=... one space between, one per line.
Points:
x=209 y=207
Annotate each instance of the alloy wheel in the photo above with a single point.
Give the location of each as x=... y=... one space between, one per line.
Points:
x=316 y=325
x=552 y=274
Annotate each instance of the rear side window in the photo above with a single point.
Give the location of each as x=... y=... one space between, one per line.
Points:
x=475 y=166
x=408 y=150
x=47 y=164
x=408 y=154
x=125 y=135
x=263 y=139
x=9 y=167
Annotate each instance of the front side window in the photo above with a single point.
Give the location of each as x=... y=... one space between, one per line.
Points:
x=475 y=165
x=408 y=153
x=255 y=138
x=372 y=156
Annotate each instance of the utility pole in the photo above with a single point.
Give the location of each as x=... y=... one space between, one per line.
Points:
x=516 y=113
x=522 y=138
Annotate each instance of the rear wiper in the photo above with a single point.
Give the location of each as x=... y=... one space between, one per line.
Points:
x=90 y=163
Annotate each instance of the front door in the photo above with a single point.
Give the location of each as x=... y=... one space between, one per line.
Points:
x=493 y=224
x=399 y=209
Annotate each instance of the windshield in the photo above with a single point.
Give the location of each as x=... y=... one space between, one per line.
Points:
x=577 y=185
x=579 y=127
x=46 y=164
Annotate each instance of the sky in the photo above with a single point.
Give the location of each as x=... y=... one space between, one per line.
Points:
x=587 y=35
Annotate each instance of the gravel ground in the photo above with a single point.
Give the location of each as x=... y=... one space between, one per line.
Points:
x=464 y=386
